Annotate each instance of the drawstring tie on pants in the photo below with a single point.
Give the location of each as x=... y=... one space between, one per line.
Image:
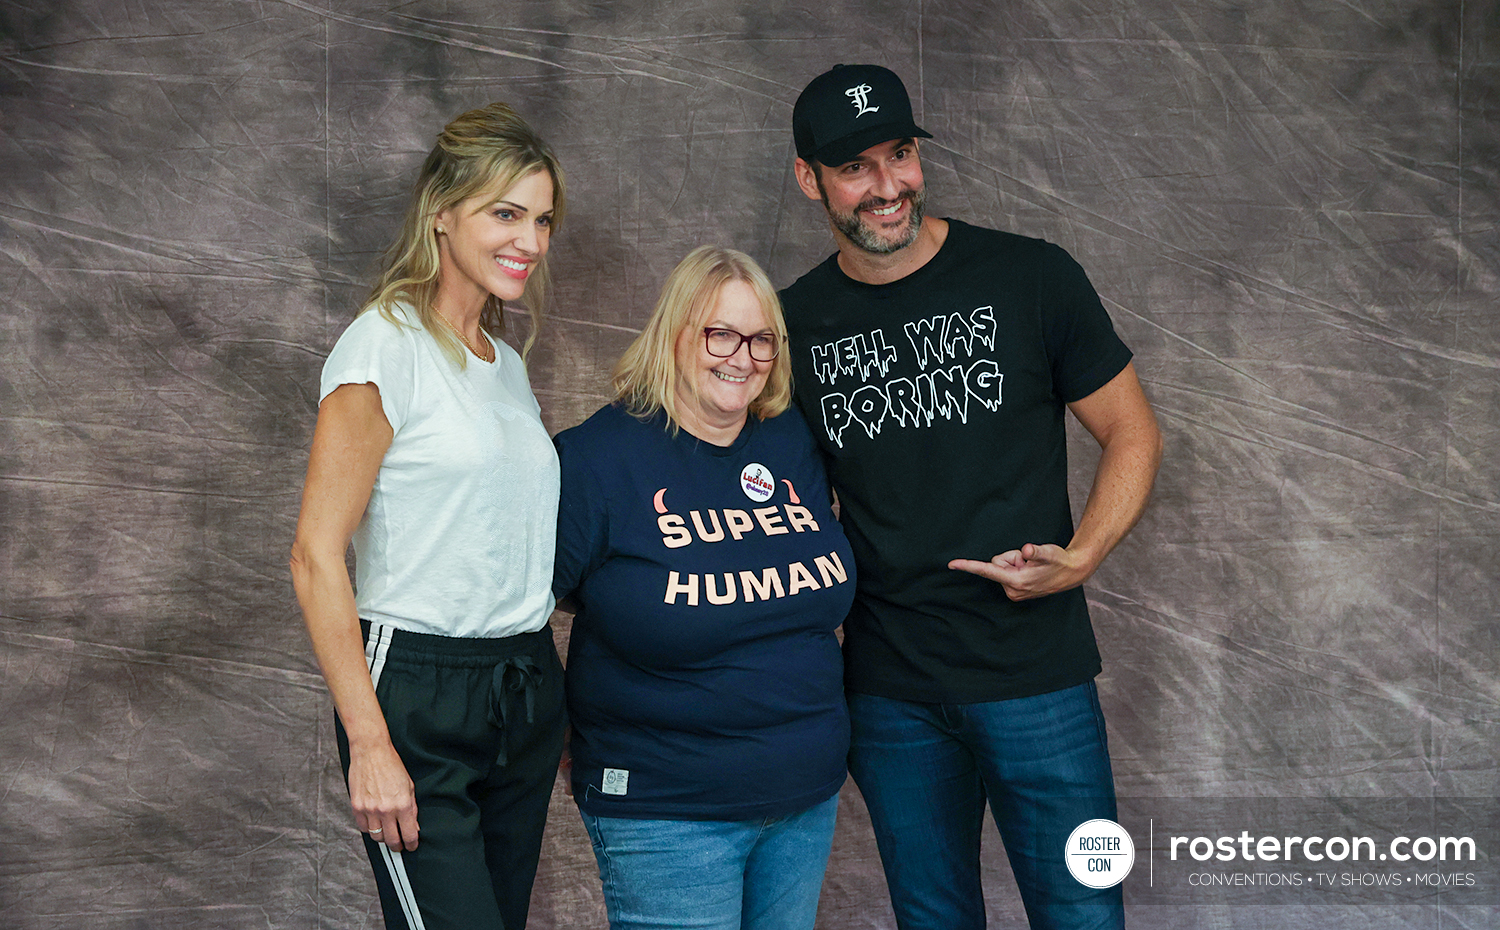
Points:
x=516 y=675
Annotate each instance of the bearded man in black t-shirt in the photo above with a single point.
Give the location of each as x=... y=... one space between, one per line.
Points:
x=934 y=361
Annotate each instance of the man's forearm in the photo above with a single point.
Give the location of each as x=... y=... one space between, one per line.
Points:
x=1122 y=485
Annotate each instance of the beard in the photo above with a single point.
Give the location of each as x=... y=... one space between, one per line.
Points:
x=865 y=236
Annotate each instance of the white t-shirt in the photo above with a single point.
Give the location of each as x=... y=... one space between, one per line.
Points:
x=460 y=532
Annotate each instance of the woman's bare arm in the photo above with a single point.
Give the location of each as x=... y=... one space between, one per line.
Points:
x=350 y=441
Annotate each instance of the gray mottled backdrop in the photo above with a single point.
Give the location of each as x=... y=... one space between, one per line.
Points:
x=1290 y=210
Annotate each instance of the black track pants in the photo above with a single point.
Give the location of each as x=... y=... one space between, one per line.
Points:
x=479 y=725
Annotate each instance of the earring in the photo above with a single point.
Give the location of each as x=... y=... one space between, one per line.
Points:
x=441 y=231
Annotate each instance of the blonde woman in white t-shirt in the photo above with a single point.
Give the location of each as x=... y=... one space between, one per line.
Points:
x=430 y=456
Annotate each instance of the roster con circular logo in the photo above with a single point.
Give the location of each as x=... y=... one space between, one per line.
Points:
x=1100 y=853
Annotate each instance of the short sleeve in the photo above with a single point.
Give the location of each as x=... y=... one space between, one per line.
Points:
x=1084 y=351
x=814 y=487
x=582 y=518
x=374 y=350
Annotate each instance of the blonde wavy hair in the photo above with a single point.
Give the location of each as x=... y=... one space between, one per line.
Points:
x=645 y=379
x=485 y=150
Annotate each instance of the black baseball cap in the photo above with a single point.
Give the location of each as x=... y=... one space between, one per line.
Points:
x=849 y=108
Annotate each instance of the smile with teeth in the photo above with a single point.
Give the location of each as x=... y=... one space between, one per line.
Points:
x=886 y=211
x=722 y=376
x=514 y=267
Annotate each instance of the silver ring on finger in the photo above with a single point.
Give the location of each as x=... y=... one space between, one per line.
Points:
x=377 y=830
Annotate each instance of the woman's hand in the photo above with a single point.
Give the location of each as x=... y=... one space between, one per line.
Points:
x=380 y=791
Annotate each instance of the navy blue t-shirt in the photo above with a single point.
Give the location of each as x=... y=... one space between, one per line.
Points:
x=704 y=677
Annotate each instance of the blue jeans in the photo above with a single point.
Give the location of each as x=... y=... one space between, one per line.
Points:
x=714 y=874
x=926 y=770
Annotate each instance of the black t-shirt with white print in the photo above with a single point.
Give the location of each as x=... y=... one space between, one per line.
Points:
x=938 y=402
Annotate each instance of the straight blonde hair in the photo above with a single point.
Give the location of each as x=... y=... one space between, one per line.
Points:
x=489 y=149
x=645 y=379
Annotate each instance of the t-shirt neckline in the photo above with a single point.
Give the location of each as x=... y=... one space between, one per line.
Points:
x=703 y=445
x=934 y=265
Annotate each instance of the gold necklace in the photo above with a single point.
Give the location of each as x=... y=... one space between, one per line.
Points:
x=462 y=338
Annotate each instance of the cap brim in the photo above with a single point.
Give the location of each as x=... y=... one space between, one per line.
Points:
x=845 y=150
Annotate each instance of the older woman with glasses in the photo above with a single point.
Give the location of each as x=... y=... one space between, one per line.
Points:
x=704 y=680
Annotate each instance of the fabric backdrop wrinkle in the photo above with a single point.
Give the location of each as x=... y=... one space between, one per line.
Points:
x=1290 y=212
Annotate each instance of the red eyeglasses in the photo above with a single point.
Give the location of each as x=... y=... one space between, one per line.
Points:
x=722 y=343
